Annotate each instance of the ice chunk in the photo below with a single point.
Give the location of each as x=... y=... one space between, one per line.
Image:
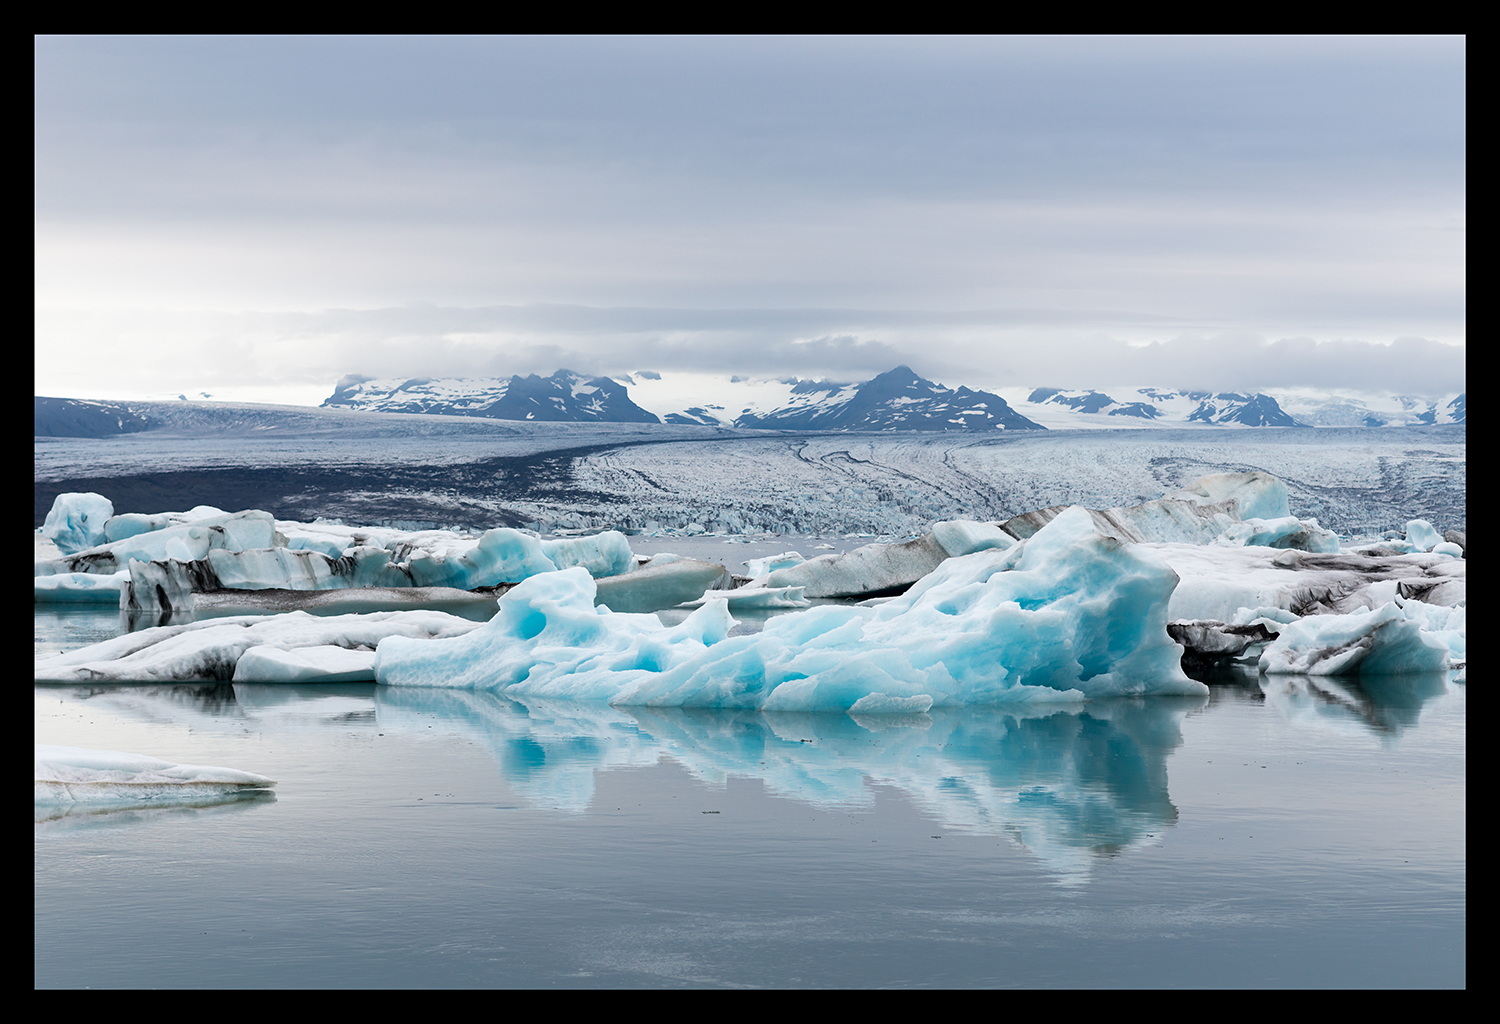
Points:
x=212 y=649
x=748 y=598
x=437 y=559
x=1068 y=614
x=866 y=571
x=654 y=587
x=223 y=603
x=186 y=543
x=603 y=554
x=961 y=537
x=287 y=569
x=1421 y=535
x=1382 y=641
x=133 y=524
x=1218 y=581
x=1163 y=521
x=80 y=588
x=323 y=664
x=1287 y=533
x=76 y=521
x=1206 y=642
x=69 y=775
x=1256 y=495
x=757 y=567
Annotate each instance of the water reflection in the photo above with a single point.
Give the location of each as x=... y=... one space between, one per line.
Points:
x=76 y=816
x=1383 y=705
x=1069 y=784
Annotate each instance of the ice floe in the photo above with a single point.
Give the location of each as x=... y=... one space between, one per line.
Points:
x=73 y=775
x=213 y=649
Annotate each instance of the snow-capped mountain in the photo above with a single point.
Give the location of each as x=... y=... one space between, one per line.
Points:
x=564 y=396
x=1226 y=407
x=1300 y=407
x=896 y=400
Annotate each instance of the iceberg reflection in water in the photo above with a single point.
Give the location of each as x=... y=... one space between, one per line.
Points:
x=1064 y=784
x=430 y=837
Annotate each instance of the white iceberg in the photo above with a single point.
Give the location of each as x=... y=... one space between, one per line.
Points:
x=1380 y=641
x=962 y=537
x=212 y=649
x=866 y=571
x=757 y=567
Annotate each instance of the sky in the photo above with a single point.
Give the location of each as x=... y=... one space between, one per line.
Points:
x=254 y=218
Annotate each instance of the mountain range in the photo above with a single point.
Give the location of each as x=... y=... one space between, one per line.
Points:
x=898 y=399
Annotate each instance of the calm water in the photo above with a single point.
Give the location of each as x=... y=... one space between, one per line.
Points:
x=1298 y=834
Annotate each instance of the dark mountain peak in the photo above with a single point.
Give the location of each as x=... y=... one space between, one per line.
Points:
x=898 y=399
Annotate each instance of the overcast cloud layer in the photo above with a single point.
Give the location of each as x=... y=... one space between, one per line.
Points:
x=257 y=217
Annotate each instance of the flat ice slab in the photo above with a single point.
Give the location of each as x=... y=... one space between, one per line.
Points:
x=213 y=649
x=73 y=775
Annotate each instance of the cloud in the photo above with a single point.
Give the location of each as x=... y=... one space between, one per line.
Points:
x=304 y=353
x=987 y=211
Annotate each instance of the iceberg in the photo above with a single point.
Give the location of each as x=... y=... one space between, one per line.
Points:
x=1380 y=641
x=185 y=543
x=1217 y=581
x=757 y=567
x=325 y=663
x=76 y=521
x=656 y=586
x=867 y=571
x=167 y=566
x=79 y=588
x=1163 y=521
x=1069 y=614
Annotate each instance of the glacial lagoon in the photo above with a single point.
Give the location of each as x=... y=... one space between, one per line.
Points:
x=1280 y=832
